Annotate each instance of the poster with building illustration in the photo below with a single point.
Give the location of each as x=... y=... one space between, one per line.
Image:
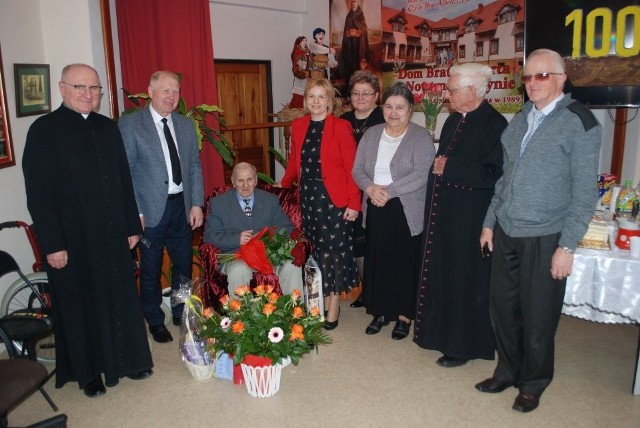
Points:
x=417 y=41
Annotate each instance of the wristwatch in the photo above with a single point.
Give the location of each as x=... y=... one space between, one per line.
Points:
x=567 y=250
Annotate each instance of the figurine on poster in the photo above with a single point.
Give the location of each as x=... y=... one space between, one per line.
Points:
x=324 y=57
x=355 y=39
x=300 y=56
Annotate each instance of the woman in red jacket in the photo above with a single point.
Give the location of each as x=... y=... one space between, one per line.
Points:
x=322 y=154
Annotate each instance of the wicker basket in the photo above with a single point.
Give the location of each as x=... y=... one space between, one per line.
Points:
x=262 y=382
x=200 y=371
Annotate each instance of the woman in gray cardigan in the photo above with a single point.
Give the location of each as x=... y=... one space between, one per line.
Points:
x=391 y=168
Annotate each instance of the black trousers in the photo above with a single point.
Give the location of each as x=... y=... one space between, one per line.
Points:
x=525 y=306
x=174 y=232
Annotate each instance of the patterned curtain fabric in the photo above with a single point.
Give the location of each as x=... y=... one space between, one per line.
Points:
x=172 y=35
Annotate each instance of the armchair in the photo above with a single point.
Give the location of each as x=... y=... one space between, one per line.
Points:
x=214 y=282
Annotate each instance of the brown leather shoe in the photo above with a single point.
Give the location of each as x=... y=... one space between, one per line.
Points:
x=492 y=385
x=526 y=402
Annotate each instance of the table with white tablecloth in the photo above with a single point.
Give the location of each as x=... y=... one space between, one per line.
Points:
x=604 y=286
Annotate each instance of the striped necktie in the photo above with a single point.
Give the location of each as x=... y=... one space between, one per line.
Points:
x=538 y=117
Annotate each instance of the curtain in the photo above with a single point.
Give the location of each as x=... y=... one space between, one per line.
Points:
x=172 y=35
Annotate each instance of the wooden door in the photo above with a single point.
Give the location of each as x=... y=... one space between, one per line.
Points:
x=244 y=93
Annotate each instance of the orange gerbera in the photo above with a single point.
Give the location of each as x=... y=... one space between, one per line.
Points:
x=296 y=333
x=224 y=300
x=268 y=308
x=237 y=327
x=298 y=312
x=273 y=297
x=235 y=305
x=242 y=290
x=259 y=290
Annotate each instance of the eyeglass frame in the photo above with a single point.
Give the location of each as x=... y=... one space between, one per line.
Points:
x=364 y=94
x=541 y=77
x=93 y=90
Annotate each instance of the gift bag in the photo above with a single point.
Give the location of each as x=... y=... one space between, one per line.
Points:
x=312 y=286
x=193 y=349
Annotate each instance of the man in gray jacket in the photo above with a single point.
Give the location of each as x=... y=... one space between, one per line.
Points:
x=540 y=210
x=164 y=159
x=236 y=216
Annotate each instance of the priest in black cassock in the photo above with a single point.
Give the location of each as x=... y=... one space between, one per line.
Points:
x=453 y=294
x=81 y=200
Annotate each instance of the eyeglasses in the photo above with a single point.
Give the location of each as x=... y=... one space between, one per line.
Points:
x=453 y=90
x=95 y=90
x=363 y=94
x=539 y=76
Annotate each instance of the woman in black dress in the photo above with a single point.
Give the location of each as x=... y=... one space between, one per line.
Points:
x=364 y=89
x=322 y=154
x=392 y=168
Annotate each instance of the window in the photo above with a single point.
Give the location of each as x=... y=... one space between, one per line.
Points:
x=519 y=42
x=398 y=27
x=480 y=49
x=494 y=46
x=462 y=51
x=507 y=14
x=471 y=26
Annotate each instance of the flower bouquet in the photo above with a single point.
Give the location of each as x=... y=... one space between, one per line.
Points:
x=265 y=324
x=431 y=101
x=269 y=248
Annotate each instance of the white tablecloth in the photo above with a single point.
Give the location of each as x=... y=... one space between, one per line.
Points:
x=604 y=286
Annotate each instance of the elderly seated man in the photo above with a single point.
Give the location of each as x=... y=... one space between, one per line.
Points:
x=239 y=213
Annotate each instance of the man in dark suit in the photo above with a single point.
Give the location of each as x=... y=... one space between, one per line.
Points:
x=167 y=178
x=237 y=215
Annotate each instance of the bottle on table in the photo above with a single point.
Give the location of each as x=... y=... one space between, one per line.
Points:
x=625 y=201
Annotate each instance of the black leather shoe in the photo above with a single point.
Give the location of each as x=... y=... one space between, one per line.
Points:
x=356 y=304
x=160 y=333
x=400 y=330
x=177 y=321
x=448 y=361
x=330 y=325
x=95 y=388
x=142 y=374
x=492 y=385
x=526 y=402
x=376 y=325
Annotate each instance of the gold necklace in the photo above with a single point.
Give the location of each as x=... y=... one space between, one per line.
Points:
x=357 y=130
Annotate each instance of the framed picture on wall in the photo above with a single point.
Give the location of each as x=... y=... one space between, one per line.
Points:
x=33 y=89
x=7 y=157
